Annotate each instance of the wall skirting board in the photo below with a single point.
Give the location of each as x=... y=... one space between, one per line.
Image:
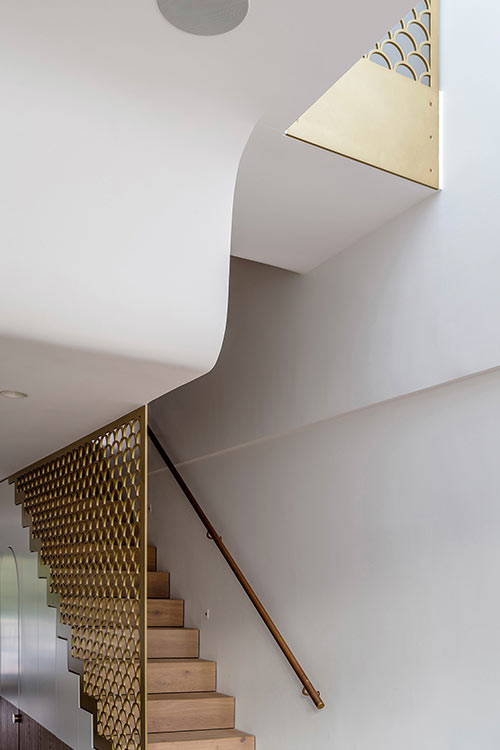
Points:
x=27 y=735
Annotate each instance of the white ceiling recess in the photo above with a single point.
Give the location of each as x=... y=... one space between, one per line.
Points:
x=297 y=205
x=120 y=142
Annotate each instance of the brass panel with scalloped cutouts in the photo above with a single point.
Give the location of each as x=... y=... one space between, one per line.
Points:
x=409 y=47
x=386 y=115
x=86 y=506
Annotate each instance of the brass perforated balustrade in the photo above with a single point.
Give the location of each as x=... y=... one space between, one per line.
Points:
x=86 y=507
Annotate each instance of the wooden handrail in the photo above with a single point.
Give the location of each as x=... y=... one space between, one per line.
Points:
x=212 y=533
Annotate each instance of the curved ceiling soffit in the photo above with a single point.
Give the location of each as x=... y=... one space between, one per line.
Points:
x=122 y=142
x=133 y=162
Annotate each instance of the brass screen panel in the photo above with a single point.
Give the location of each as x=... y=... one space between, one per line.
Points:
x=378 y=117
x=86 y=507
x=408 y=47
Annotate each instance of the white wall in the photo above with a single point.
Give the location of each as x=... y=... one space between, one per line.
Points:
x=412 y=305
x=372 y=538
x=120 y=147
x=48 y=692
x=354 y=480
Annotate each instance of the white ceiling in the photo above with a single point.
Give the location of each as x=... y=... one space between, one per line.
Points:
x=120 y=143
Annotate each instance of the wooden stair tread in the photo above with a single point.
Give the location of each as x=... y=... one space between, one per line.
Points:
x=171 y=630
x=212 y=695
x=207 y=739
x=179 y=660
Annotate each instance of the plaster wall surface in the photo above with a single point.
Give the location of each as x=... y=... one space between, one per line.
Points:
x=120 y=144
x=410 y=306
x=372 y=539
x=346 y=448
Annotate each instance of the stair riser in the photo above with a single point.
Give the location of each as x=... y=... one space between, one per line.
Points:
x=182 y=677
x=190 y=714
x=172 y=644
x=244 y=742
x=158 y=585
x=166 y=613
x=151 y=558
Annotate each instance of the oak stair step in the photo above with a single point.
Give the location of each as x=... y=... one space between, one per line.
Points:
x=181 y=676
x=173 y=643
x=151 y=558
x=183 y=712
x=166 y=613
x=158 y=584
x=212 y=739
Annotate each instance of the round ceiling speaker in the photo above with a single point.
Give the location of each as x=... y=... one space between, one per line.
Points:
x=204 y=17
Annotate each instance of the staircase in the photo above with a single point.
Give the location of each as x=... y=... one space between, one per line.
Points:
x=86 y=509
x=185 y=711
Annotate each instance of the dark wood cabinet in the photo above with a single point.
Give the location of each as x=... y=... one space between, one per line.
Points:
x=27 y=735
x=9 y=732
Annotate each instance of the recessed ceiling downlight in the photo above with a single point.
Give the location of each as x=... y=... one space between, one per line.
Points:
x=205 y=17
x=13 y=394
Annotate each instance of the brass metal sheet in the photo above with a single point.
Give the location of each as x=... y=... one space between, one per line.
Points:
x=410 y=47
x=86 y=506
x=386 y=115
x=379 y=118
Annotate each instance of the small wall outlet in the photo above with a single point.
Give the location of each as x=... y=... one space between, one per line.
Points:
x=206 y=614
